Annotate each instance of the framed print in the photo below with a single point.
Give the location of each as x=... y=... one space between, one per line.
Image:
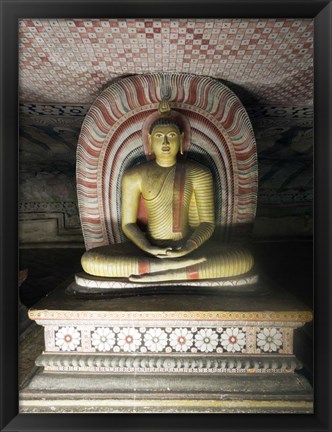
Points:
x=165 y=215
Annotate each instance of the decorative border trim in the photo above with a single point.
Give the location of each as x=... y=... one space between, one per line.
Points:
x=163 y=340
x=71 y=315
x=39 y=109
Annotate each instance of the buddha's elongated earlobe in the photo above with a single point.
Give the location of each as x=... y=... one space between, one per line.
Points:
x=150 y=145
x=181 y=143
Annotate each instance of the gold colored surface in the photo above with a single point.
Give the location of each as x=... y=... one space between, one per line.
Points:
x=179 y=201
x=164 y=108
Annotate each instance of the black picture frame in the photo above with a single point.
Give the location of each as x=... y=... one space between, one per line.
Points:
x=11 y=12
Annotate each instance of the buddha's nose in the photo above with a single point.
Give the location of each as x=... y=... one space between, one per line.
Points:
x=166 y=140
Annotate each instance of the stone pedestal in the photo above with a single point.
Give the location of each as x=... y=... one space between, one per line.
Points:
x=169 y=354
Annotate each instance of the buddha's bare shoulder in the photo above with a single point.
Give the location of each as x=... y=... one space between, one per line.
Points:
x=137 y=170
x=195 y=168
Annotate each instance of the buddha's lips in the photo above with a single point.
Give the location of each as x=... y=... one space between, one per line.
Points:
x=165 y=148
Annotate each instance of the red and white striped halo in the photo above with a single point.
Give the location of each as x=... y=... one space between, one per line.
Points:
x=218 y=133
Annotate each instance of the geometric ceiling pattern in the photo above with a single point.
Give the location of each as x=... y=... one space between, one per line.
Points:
x=71 y=61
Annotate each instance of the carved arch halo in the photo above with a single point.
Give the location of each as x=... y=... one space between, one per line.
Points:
x=111 y=141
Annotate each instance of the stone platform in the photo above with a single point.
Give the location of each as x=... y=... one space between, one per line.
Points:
x=169 y=354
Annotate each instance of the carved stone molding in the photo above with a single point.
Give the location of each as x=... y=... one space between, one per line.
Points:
x=167 y=364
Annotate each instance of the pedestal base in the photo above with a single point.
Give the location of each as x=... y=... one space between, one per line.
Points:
x=175 y=393
x=169 y=354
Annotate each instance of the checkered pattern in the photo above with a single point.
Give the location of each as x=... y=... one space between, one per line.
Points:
x=71 y=61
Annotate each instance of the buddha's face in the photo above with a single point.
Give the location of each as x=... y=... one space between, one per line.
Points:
x=165 y=141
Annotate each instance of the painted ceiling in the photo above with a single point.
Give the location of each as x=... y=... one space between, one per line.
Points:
x=71 y=61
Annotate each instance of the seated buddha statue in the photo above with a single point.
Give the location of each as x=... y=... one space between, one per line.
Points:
x=178 y=196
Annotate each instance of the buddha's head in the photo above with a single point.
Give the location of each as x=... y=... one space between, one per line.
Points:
x=165 y=140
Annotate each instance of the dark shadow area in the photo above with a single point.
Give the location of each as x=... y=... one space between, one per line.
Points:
x=245 y=96
x=47 y=268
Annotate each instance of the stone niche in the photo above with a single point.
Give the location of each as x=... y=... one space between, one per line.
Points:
x=216 y=352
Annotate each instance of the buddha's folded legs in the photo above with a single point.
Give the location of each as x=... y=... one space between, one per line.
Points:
x=227 y=264
x=127 y=261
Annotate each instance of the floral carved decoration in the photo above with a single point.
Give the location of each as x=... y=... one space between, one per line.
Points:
x=167 y=339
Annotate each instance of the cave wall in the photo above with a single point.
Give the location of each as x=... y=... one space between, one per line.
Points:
x=48 y=210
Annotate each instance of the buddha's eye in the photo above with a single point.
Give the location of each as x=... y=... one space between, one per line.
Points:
x=158 y=135
x=172 y=135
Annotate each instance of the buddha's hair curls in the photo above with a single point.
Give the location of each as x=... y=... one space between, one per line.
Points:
x=165 y=121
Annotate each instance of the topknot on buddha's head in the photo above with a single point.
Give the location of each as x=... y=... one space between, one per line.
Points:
x=164 y=110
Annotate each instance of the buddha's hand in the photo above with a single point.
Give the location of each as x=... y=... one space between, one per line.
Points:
x=159 y=252
x=188 y=247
